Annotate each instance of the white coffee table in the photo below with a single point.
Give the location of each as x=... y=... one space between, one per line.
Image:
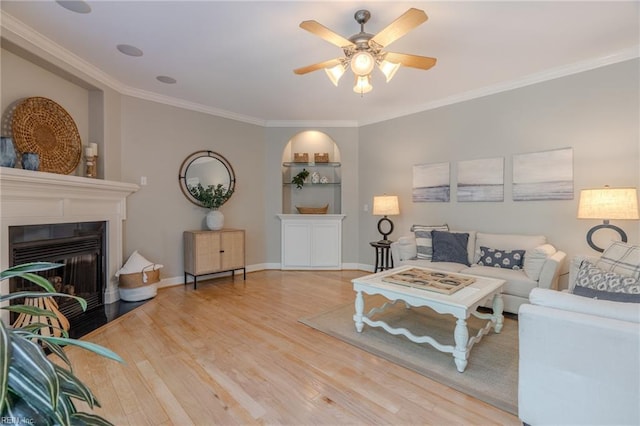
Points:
x=460 y=304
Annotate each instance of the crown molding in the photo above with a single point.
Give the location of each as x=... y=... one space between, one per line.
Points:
x=29 y=35
x=552 y=74
x=192 y=106
x=311 y=123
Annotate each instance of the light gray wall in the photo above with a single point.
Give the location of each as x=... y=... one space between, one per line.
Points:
x=156 y=140
x=22 y=79
x=595 y=113
x=27 y=70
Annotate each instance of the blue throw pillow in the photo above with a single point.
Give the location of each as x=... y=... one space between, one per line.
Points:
x=450 y=247
x=507 y=259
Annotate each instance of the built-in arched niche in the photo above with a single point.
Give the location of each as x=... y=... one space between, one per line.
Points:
x=318 y=154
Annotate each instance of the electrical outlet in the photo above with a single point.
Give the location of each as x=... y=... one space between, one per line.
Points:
x=143 y=180
x=366 y=207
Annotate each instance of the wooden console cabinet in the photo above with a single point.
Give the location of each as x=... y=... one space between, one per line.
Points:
x=211 y=252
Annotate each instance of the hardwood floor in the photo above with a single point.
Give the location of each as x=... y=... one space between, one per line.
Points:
x=233 y=352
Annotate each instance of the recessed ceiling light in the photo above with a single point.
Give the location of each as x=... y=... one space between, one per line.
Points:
x=129 y=50
x=77 y=6
x=166 y=79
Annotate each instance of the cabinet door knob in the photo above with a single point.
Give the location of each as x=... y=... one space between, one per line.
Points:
x=221 y=251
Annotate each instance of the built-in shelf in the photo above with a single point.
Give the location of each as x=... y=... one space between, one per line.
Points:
x=296 y=164
x=313 y=184
x=312 y=194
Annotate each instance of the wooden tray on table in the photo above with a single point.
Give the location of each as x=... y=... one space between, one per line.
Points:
x=439 y=282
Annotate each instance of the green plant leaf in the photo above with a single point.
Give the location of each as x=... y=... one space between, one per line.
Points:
x=20 y=270
x=213 y=197
x=299 y=178
x=91 y=419
x=31 y=310
x=29 y=361
x=18 y=408
x=73 y=387
x=39 y=280
x=97 y=349
x=33 y=329
x=36 y=294
x=58 y=351
x=5 y=357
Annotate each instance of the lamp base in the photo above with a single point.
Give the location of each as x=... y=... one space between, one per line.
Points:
x=607 y=225
x=384 y=239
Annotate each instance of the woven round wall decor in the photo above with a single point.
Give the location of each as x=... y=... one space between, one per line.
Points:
x=42 y=126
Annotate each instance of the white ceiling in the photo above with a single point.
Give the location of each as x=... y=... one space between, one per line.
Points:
x=236 y=58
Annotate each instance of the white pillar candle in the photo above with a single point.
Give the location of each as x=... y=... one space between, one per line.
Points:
x=94 y=149
x=88 y=152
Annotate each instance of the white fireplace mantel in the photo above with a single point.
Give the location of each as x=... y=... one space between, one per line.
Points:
x=36 y=198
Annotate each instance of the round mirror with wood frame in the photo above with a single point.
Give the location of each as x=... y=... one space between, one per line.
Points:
x=205 y=168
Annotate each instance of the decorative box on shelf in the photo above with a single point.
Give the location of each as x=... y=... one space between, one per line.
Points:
x=321 y=157
x=300 y=157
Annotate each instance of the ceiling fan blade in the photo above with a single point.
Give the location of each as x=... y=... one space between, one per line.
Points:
x=413 y=61
x=326 y=64
x=325 y=33
x=405 y=23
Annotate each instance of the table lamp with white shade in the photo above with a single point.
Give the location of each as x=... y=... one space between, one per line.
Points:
x=607 y=204
x=385 y=205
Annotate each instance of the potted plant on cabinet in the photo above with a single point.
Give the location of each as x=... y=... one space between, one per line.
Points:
x=212 y=198
x=34 y=389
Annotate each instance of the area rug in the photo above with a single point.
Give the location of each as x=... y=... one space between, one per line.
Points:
x=491 y=374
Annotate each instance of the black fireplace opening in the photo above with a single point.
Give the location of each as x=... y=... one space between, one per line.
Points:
x=81 y=250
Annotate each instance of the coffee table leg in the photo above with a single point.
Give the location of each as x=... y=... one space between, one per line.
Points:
x=461 y=337
x=359 y=310
x=498 y=306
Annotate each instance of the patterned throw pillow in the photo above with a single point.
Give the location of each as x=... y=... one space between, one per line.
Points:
x=593 y=282
x=424 y=241
x=621 y=258
x=507 y=259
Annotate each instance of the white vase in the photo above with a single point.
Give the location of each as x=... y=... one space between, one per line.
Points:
x=215 y=220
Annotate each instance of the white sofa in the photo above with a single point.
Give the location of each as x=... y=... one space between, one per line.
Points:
x=579 y=359
x=541 y=270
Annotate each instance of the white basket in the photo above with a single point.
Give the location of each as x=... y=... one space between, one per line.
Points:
x=139 y=293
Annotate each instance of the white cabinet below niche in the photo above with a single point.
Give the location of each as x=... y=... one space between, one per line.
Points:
x=311 y=241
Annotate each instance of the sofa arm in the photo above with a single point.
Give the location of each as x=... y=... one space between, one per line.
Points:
x=551 y=270
x=576 y=368
x=403 y=249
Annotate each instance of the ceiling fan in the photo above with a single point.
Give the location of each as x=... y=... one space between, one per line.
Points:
x=363 y=51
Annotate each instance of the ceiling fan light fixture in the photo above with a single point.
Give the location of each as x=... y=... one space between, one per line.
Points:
x=363 y=84
x=389 y=69
x=362 y=63
x=335 y=73
x=364 y=51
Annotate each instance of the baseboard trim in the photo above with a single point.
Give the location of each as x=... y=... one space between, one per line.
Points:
x=179 y=280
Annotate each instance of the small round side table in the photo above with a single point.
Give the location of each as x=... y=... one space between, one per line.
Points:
x=384 y=259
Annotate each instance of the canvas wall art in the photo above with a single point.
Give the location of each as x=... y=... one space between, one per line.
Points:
x=481 y=180
x=546 y=175
x=431 y=182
